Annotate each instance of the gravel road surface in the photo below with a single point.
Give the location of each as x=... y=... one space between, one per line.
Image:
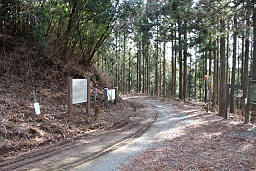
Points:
x=169 y=124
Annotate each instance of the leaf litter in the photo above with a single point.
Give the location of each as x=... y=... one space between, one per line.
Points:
x=209 y=143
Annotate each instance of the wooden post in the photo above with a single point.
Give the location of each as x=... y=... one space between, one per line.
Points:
x=70 y=95
x=88 y=96
x=105 y=96
x=116 y=95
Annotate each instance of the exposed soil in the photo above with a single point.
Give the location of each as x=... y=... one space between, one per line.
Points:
x=207 y=143
x=22 y=130
x=23 y=70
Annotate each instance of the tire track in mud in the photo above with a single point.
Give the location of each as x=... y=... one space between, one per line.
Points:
x=55 y=149
x=110 y=148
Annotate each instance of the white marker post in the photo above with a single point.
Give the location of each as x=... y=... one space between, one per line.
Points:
x=36 y=105
x=37 y=108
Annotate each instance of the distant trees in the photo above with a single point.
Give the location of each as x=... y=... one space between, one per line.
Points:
x=188 y=40
x=156 y=47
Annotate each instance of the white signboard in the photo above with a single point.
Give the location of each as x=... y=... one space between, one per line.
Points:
x=79 y=91
x=111 y=94
x=37 y=108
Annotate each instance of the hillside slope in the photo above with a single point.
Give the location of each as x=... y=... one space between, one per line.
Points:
x=24 y=69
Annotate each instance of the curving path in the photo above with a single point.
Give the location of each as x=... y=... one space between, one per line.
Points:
x=169 y=124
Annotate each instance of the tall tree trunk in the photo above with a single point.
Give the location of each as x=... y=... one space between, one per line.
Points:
x=143 y=67
x=164 y=74
x=210 y=71
x=246 y=63
x=227 y=62
x=242 y=66
x=215 y=76
x=119 y=68
x=180 y=63
x=210 y=60
x=137 y=70
x=195 y=84
x=123 y=67
x=222 y=88
x=148 y=82
x=173 y=65
x=160 y=70
x=156 y=66
x=218 y=71
x=254 y=44
x=232 y=102
x=200 y=86
x=129 y=74
x=205 y=73
x=190 y=77
x=116 y=77
x=140 y=72
x=185 y=63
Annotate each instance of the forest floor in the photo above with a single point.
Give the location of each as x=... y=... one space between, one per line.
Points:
x=21 y=130
x=206 y=142
x=184 y=137
x=23 y=69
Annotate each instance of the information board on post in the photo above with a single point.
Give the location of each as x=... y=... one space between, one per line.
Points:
x=78 y=92
x=111 y=93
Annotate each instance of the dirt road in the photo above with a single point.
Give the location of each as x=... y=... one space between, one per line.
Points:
x=164 y=135
x=183 y=138
x=169 y=124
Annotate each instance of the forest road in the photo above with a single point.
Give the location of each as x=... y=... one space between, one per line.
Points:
x=168 y=124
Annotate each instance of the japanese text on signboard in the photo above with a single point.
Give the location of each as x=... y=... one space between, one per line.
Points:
x=79 y=91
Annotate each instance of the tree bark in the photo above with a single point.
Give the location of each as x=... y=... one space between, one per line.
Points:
x=242 y=66
x=164 y=73
x=160 y=70
x=185 y=63
x=116 y=48
x=195 y=85
x=123 y=67
x=129 y=75
x=218 y=71
x=147 y=58
x=227 y=65
x=180 y=63
x=140 y=69
x=173 y=70
x=205 y=73
x=215 y=76
x=232 y=101
x=246 y=63
x=190 y=77
x=156 y=66
x=222 y=105
x=254 y=44
x=143 y=67
x=174 y=63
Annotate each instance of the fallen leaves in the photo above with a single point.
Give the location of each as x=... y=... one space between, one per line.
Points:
x=209 y=143
x=21 y=130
